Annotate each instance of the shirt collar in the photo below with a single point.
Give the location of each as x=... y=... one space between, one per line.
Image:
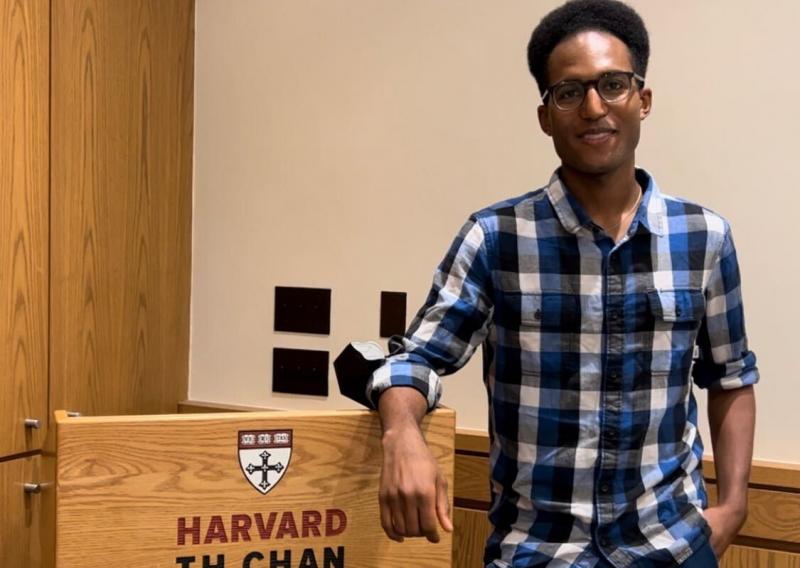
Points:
x=650 y=215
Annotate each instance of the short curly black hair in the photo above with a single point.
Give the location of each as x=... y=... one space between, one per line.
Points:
x=576 y=16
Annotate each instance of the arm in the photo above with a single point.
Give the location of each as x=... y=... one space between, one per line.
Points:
x=413 y=492
x=728 y=369
x=731 y=416
x=440 y=340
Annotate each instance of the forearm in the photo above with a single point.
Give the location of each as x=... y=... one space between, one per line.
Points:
x=413 y=494
x=400 y=409
x=731 y=416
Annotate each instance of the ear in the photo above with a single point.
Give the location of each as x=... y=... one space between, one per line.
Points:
x=646 y=96
x=544 y=120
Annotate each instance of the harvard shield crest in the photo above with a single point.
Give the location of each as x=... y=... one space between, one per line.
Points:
x=264 y=457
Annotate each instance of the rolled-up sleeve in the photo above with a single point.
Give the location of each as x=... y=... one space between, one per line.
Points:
x=450 y=325
x=724 y=361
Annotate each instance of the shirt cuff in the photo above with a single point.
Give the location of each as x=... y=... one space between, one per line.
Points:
x=401 y=371
x=729 y=376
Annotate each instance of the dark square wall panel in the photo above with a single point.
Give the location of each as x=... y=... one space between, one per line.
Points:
x=300 y=371
x=303 y=310
x=393 y=313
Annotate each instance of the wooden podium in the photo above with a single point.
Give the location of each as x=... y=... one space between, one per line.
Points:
x=251 y=490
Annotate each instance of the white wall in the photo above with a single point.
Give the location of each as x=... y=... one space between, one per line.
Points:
x=342 y=143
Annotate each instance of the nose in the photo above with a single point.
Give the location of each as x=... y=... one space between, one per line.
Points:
x=593 y=106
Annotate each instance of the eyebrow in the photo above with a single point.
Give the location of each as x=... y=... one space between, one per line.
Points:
x=607 y=71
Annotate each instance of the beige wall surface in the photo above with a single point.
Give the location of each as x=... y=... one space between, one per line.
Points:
x=341 y=144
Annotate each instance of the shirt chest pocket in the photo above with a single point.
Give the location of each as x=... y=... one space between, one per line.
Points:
x=674 y=318
x=682 y=307
x=539 y=334
x=543 y=311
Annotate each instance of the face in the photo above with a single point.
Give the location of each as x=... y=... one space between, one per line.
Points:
x=597 y=138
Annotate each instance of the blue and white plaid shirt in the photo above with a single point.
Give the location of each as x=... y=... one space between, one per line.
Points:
x=588 y=348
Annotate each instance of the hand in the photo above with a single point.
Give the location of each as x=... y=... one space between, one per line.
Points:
x=725 y=523
x=413 y=492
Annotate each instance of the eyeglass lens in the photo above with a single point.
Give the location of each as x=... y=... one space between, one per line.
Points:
x=611 y=88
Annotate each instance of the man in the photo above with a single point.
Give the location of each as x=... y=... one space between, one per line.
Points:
x=598 y=300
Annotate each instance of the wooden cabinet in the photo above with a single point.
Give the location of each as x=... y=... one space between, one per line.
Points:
x=24 y=273
x=21 y=513
x=95 y=230
x=471 y=528
x=24 y=214
x=121 y=161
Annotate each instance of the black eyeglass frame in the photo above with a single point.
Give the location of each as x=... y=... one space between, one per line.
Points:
x=593 y=83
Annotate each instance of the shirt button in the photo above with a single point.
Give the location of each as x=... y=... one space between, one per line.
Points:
x=611 y=434
x=604 y=542
x=614 y=375
x=605 y=488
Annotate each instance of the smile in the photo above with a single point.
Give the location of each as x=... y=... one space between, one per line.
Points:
x=597 y=136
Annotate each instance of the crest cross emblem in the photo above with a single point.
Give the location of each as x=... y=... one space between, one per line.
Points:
x=264 y=468
x=264 y=455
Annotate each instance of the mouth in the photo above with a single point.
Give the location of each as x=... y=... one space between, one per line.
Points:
x=597 y=135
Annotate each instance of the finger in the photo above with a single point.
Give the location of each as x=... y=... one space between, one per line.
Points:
x=427 y=518
x=386 y=520
x=411 y=516
x=443 y=506
x=398 y=519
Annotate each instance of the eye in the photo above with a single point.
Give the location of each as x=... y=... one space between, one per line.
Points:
x=613 y=85
x=569 y=91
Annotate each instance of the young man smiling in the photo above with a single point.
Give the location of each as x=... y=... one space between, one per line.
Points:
x=598 y=301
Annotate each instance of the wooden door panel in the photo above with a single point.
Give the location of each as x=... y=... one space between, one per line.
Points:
x=471 y=529
x=24 y=178
x=20 y=513
x=121 y=204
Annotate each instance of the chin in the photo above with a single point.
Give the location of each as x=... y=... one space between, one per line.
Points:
x=588 y=163
x=596 y=164
x=589 y=168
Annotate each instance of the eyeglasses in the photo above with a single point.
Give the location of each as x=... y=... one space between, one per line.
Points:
x=612 y=87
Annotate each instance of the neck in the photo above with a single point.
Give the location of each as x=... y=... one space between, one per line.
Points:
x=603 y=196
x=609 y=199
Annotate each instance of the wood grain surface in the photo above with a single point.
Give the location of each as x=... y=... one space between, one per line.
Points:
x=763 y=472
x=194 y=407
x=20 y=514
x=123 y=482
x=472 y=478
x=469 y=440
x=747 y=557
x=122 y=84
x=24 y=179
x=472 y=528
